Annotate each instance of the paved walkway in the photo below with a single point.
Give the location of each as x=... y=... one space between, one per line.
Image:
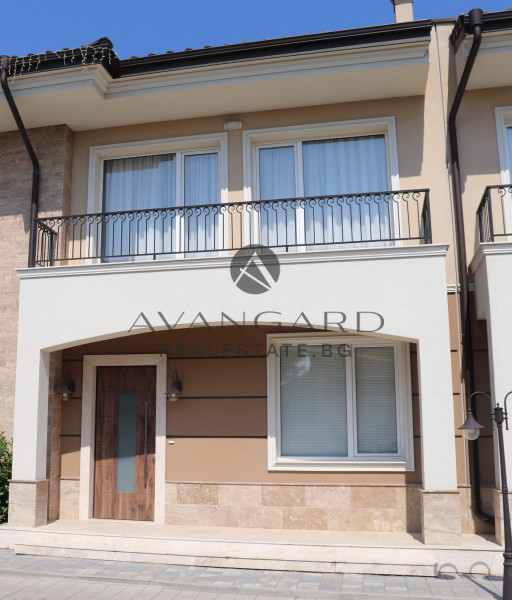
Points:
x=38 y=578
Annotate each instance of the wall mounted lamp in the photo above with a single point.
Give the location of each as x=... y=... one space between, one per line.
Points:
x=176 y=387
x=67 y=390
x=232 y=125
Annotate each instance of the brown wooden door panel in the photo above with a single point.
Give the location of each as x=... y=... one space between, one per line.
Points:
x=134 y=386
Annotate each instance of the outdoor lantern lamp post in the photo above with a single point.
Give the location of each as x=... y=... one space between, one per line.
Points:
x=471 y=430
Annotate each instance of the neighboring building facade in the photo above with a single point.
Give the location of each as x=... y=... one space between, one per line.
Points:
x=330 y=402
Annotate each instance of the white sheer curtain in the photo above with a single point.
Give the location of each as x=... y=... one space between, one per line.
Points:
x=138 y=183
x=313 y=403
x=277 y=181
x=202 y=229
x=346 y=166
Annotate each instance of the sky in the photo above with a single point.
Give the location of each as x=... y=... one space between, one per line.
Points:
x=138 y=27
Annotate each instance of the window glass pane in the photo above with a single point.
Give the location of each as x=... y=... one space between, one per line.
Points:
x=509 y=137
x=277 y=173
x=201 y=227
x=201 y=179
x=139 y=183
x=277 y=181
x=346 y=166
x=376 y=400
x=313 y=402
x=126 y=442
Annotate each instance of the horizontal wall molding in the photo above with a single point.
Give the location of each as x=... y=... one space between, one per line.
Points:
x=224 y=262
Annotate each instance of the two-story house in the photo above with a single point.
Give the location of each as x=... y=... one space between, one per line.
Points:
x=178 y=393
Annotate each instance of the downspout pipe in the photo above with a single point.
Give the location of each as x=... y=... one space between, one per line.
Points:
x=34 y=205
x=476 y=25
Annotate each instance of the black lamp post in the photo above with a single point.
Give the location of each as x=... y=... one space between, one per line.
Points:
x=471 y=430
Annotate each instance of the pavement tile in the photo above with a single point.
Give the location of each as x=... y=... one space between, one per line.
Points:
x=19 y=580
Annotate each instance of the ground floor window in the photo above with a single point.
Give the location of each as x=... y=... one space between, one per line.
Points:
x=339 y=403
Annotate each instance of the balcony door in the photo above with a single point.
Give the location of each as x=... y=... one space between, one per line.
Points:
x=124 y=465
x=322 y=190
x=160 y=206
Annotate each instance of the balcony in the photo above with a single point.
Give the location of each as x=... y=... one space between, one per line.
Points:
x=495 y=214
x=389 y=218
x=491 y=265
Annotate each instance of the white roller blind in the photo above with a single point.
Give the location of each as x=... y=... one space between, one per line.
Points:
x=313 y=403
x=376 y=400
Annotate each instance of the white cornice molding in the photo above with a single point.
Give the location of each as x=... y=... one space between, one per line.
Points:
x=70 y=78
x=492 y=42
x=325 y=62
x=224 y=262
x=489 y=249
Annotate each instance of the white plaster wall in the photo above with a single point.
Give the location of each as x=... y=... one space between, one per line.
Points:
x=63 y=306
x=492 y=267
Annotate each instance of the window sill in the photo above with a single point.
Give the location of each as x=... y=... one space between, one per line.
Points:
x=340 y=466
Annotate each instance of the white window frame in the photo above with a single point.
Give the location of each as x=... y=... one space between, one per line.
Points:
x=255 y=139
x=181 y=147
x=403 y=460
x=503 y=122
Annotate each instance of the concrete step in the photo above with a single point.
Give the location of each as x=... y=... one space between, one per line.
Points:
x=315 y=551
x=251 y=558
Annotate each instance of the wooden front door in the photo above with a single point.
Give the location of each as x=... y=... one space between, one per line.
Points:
x=124 y=468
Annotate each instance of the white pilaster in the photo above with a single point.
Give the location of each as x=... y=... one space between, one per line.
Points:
x=31 y=415
x=436 y=412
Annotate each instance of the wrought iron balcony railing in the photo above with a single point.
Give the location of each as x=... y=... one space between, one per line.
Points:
x=296 y=224
x=495 y=213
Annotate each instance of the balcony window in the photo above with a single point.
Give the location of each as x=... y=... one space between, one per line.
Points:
x=325 y=169
x=316 y=188
x=338 y=404
x=155 y=184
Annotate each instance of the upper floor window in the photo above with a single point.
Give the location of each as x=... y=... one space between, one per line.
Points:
x=151 y=195
x=323 y=167
x=338 y=175
x=161 y=181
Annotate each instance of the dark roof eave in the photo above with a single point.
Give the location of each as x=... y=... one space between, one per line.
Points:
x=323 y=42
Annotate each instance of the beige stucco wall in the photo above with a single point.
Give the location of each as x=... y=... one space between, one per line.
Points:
x=234 y=422
x=478 y=148
x=219 y=426
x=53 y=146
x=217 y=466
x=420 y=138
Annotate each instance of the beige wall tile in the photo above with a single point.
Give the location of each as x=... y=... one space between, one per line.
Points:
x=305 y=518
x=327 y=497
x=28 y=503
x=441 y=518
x=181 y=514
x=197 y=493
x=53 y=146
x=69 y=497
x=240 y=495
x=283 y=495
